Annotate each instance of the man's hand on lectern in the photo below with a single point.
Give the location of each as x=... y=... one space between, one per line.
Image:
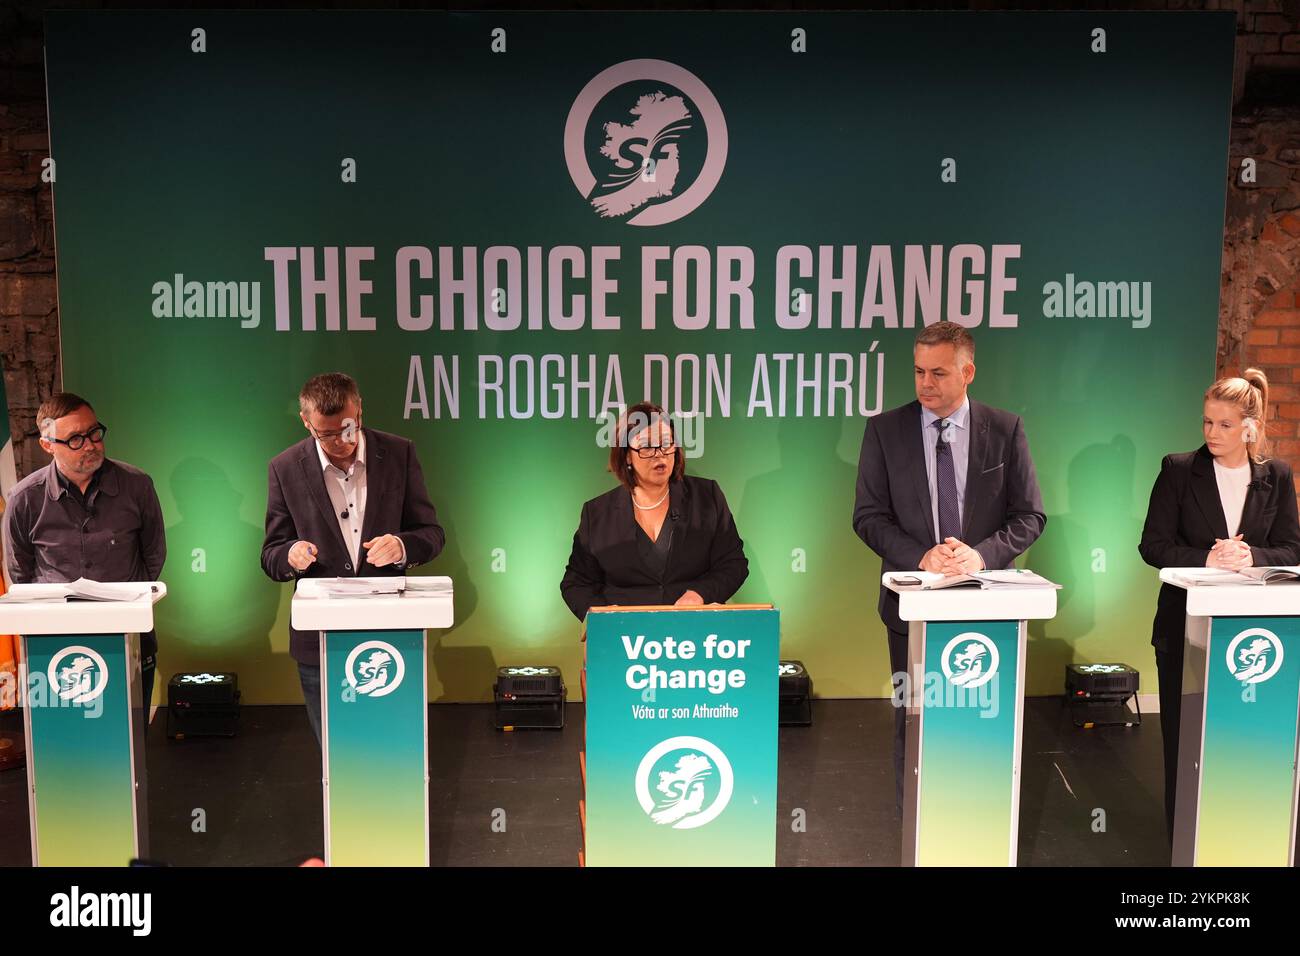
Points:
x=383 y=549
x=935 y=559
x=964 y=560
x=689 y=599
x=302 y=555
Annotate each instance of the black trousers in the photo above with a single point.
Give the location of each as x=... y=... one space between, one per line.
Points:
x=1169 y=671
x=898 y=665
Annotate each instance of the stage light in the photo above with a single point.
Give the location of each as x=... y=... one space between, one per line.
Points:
x=529 y=698
x=795 y=695
x=202 y=705
x=1097 y=694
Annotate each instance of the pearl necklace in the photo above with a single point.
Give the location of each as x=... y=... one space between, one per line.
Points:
x=648 y=507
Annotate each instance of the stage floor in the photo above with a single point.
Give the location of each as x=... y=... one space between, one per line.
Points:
x=260 y=791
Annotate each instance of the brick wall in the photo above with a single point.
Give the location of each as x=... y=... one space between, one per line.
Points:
x=29 y=320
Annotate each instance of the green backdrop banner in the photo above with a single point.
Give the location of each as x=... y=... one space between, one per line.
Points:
x=503 y=225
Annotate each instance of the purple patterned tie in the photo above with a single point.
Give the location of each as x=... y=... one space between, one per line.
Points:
x=946 y=483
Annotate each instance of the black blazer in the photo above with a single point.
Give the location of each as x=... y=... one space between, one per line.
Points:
x=1002 y=513
x=1185 y=516
x=298 y=509
x=706 y=554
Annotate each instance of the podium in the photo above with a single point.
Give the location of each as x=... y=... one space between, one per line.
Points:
x=374 y=716
x=1236 y=786
x=680 y=759
x=965 y=713
x=84 y=719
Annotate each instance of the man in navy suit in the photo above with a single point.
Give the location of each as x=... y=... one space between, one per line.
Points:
x=345 y=502
x=945 y=485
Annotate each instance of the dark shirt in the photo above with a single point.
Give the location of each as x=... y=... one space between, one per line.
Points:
x=655 y=553
x=114 y=531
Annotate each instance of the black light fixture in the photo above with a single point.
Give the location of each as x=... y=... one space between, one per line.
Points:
x=794 y=707
x=529 y=697
x=202 y=705
x=1098 y=695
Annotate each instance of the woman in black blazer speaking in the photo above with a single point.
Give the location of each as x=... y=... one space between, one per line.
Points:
x=661 y=536
x=1225 y=505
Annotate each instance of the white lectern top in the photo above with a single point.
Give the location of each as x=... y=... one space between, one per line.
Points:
x=57 y=616
x=426 y=605
x=1001 y=603
x=1235 y=600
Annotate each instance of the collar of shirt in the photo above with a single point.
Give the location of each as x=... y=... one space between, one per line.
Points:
x=326 y=464
x=63 y=484
x=960 y=417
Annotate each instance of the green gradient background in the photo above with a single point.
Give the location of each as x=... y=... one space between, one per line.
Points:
x=82 y=764
x=1247 y=804
x=378 y=807
x=619 y=832
x=966 y=758
x=1108 y=166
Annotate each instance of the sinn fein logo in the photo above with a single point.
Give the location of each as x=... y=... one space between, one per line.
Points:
x=693 y=782
x=375 y=668
x=645 y=142
x=969 y=660
x=82 y=678
x=1259 y=658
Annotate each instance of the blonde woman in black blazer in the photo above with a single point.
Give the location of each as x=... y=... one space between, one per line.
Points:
x=1225 y=505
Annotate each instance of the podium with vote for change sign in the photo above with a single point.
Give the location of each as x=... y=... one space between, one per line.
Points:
x=374 y=711
x=965 y=713
x=679 y=766
x=84 y=717
x=1237 y=741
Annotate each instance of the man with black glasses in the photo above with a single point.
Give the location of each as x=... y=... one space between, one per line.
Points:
x=85 y=515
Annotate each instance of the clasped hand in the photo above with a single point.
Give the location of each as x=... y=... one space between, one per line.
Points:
x=1229 y=554
x=952 y=557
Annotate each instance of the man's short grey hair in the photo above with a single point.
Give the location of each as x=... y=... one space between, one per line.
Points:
x=328 y=394
x=950 y=332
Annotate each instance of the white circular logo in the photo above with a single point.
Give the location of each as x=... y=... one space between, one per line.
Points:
x=83 y=679
x=645 y=141
x=1257 y=661
x=695 y=768
x=969 y=660
x=380 y=673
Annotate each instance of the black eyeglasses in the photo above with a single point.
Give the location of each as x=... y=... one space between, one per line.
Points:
x=649 y=451
x=331 y=436
x=75 y=442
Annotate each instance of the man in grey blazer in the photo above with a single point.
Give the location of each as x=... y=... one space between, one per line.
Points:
x=347 y=501
x=945 y=484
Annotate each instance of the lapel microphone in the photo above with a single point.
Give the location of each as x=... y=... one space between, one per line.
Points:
x=343 y=515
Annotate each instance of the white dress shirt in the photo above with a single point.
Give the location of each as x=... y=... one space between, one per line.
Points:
x=347 y=491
